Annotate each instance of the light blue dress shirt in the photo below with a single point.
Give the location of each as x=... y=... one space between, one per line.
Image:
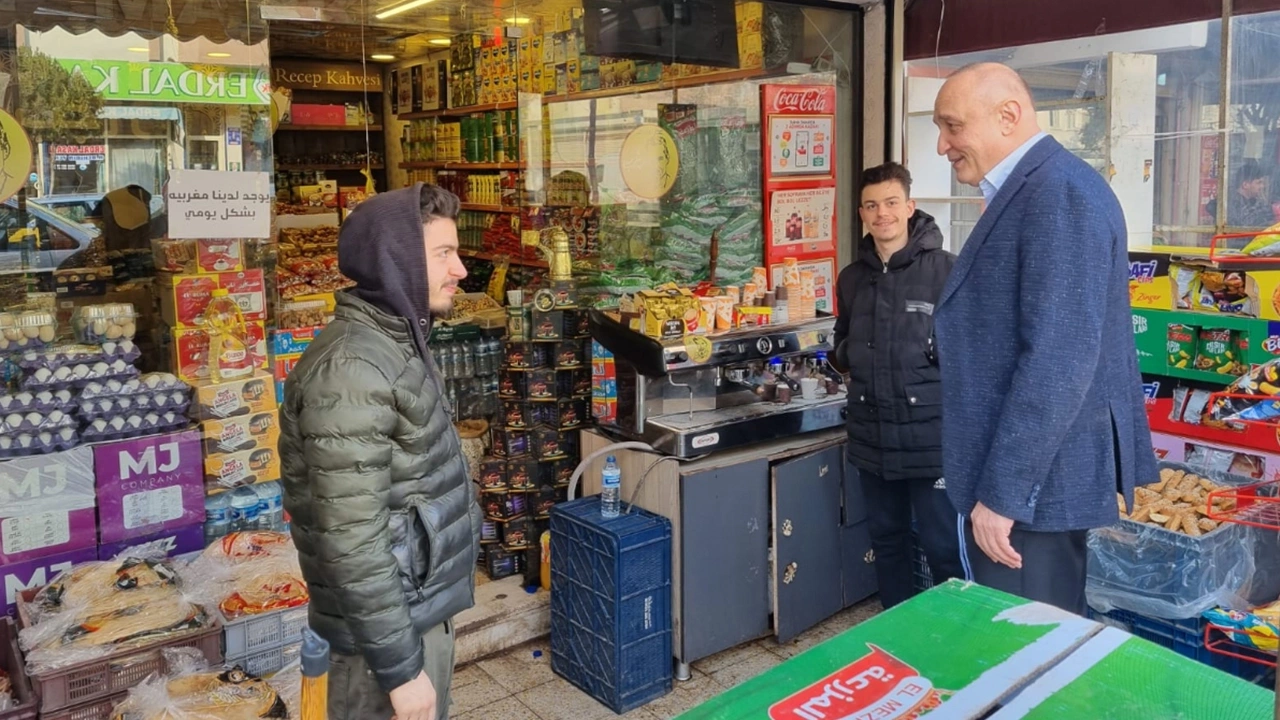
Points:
x=991 y=184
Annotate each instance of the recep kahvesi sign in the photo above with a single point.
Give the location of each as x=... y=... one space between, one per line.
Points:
x=174 y=82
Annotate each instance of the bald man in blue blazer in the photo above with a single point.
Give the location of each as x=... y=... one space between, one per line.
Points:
x=1043 y=411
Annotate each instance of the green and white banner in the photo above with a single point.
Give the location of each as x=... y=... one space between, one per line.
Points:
x=174 y=82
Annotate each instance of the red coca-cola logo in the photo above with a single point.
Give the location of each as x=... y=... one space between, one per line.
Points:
x=812 y=100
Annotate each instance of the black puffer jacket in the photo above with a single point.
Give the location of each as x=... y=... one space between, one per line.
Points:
x=884 y=337
x=383 y=512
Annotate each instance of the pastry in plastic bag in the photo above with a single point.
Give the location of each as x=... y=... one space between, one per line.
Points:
x=248 y=573
x=225 y=695
x=100 y=607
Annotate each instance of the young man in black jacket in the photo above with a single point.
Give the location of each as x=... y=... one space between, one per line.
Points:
x=884 y=339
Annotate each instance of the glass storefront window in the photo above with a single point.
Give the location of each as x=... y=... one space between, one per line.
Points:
x=1142 y=108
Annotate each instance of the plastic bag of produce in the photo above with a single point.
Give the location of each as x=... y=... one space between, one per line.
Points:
x=1150 y=568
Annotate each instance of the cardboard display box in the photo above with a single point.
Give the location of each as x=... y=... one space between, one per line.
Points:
x=172 y=543
x=47 y=505
x=32 y=574
x=148 y=485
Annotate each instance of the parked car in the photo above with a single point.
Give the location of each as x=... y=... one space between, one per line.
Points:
x=38 y=239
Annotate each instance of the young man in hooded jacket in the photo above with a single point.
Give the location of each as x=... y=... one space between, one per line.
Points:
x=383 y=513
x=884 y=338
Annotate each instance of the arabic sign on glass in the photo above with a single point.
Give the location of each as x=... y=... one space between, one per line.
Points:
x=212 y=204
x=174 y=82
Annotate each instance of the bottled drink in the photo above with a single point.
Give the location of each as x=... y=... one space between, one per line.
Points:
x=270 y=506
x=244 y=509
x=611 y=488
x=468 y=359
x=217 y=517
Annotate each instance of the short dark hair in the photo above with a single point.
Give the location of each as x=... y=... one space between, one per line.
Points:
x=1249 y=171
x=438 y=203
x=888 y=172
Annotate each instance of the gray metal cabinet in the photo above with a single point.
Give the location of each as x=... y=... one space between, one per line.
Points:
x=768 y=539
x=725 y=578
x=858 y=568
x=806 y=541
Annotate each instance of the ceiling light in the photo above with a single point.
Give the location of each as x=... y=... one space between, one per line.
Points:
x=517 y=20
x=443 y=42
x=403 y=7
x=382 y=56
x=219 y=54
x=140 y=49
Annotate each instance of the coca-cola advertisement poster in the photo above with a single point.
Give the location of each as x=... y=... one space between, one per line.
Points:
x=801 y=125
x=799 y=173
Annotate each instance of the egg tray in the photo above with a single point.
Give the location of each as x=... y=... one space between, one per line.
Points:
x=90 y=432
x=39 y=380
x=72 y=355
x=42 y=402
x=176 y=401
x=34 y=422
x=149 y=383
x=22 y=344
x=24 y=444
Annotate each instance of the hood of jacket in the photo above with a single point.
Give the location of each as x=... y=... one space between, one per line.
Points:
x=923 y=235
x=382 y=248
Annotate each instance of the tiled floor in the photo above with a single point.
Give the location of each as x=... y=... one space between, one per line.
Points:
x=519 y=684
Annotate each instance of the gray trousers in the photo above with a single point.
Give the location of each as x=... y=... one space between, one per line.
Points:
x=354 y=693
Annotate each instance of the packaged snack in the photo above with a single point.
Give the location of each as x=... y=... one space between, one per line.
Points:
x=1182 y=345
x=1215 y=352
x=1265 y=244
x=1184 y=280
x=1231 y=292
x=493 y=476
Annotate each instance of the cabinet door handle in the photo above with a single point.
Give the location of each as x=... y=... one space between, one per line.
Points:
x=786 y=528
x=870 y=557
x=789 y=574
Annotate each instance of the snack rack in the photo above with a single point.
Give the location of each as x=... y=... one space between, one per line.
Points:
x=1258 y=506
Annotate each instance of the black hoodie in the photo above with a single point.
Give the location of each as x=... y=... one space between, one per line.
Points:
x=381 y=247
x=884 y=336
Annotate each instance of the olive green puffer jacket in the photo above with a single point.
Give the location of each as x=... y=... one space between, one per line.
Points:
x=383 y=514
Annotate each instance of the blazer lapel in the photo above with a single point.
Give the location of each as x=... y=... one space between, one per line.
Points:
x=982 y=230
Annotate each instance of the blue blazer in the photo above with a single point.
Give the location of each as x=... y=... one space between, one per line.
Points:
x=1043 y=414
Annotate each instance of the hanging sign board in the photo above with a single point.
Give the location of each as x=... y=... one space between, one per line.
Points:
x=213 y=204
x=174 y=82
x=310 y=75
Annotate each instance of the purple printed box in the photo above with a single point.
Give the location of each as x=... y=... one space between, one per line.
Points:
x=36 y=574
x=170 y=543
x=149 y=485
x=46 y=505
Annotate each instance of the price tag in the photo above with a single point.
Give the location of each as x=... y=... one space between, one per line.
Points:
x=698 y=347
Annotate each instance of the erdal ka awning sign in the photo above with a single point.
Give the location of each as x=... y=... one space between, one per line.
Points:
x=174 y=82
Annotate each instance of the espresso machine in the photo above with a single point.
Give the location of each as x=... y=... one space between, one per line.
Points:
x=691 y=406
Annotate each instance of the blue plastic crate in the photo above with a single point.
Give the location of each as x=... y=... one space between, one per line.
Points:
x=1185 y=637
x=611 y=603
x=920 y=567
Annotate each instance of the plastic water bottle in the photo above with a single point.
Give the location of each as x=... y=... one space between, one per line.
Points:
x=244 y=509
x=217 y=517
x=611 y=488
x=270 y=506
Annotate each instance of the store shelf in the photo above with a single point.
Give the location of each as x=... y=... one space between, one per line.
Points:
x=478 y=255
x=305 y=168
x=1251 y=438
x=1203 y=376
x=459 y=111
x=330 y=128
x=432 y=164
x=490 y=208
x=684 y=82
